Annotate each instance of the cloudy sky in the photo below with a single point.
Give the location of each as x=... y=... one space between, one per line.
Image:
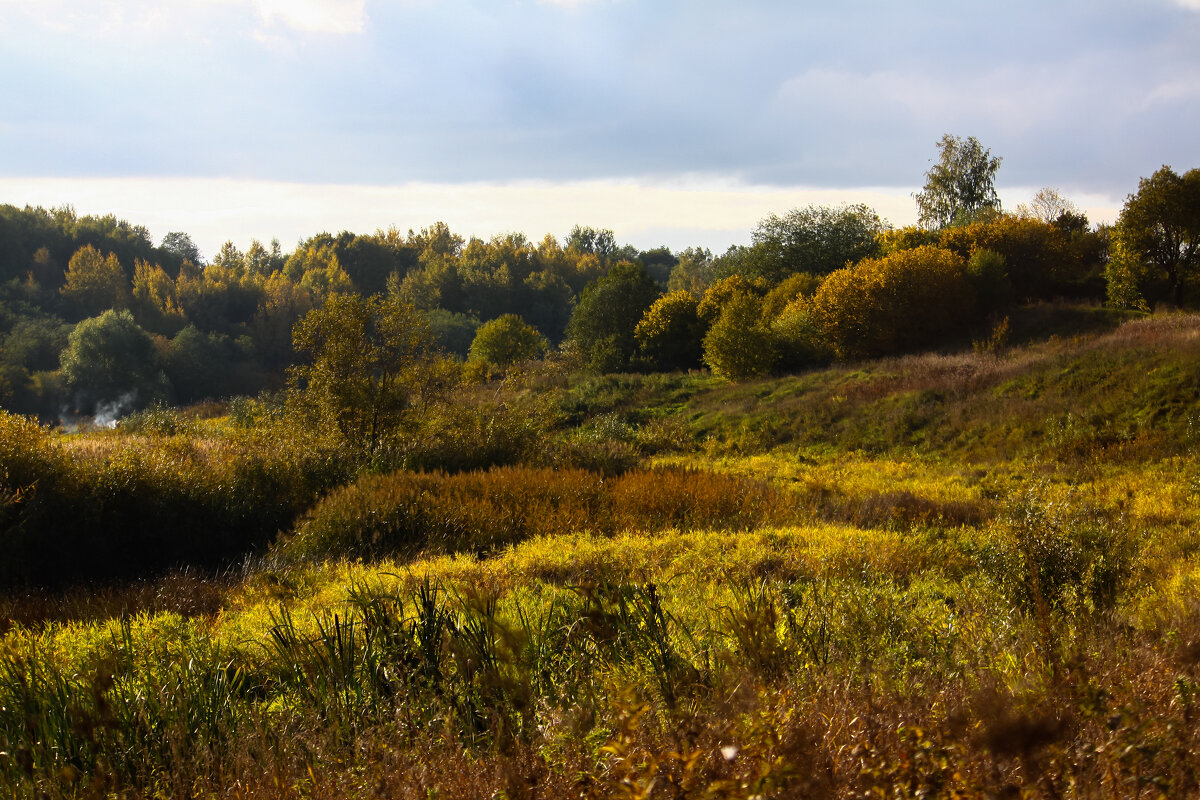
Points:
x=671 y=121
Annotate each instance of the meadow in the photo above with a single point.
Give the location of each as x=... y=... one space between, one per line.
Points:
x=973 y=574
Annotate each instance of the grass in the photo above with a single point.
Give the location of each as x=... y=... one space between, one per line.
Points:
x=602 y=650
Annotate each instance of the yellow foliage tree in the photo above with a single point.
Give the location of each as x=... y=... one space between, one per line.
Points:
x=895 y=303
x=95 y=283
x=670 y=332
x=155 y=304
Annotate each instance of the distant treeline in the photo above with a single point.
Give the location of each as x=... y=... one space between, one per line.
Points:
x=96 y=318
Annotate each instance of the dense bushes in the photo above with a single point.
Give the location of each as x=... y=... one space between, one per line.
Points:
x=1043 y=261
x=404 y=513
x=107 y=507
x=894 y=303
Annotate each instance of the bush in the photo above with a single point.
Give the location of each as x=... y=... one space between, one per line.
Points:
x=798 y=337
x=739 y=346
x=1055 y=552
x=987 y=273
x=1040 y=260
x=406 y=513
x=506 y=341
x=670 y=333
x=120 y=505
x=893 y=304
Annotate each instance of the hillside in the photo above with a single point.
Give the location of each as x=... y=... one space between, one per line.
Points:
x=961 y=574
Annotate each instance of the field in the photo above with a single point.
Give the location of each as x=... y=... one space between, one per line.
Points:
x=955 y=575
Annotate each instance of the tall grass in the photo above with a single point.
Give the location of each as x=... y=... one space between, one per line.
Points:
x=801 y=686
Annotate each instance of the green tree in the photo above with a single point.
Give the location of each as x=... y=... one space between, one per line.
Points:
x=1160 y=227
x=110 y=362
x=366 y=367
x=181 y=247
x=815 y=239
x=800 y=341
x=693 y=271
x=1127 y=279
x=601 y=328
x=506 y=341
x=601 y=243
x=960 y=186
x=658 y=263
x=230 y=258
x=987 y=273
x=452 y=331
x=739 y=346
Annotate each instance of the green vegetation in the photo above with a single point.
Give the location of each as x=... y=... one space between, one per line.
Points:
x=930 y=572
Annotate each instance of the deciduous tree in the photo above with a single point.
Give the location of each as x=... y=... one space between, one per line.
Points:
x=601 y=328
x=110 y=360
x=670 y=333
x=364 y=368
x=1160 y=226
x=95 y=283
x=895 y=303
x=739 y=346
x=960 y=186
x=506 y=341
x=815 y=239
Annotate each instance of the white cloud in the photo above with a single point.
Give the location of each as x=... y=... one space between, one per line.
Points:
x=125 y=17
x=682 y=213
x=315 y=16
x=1193 y=5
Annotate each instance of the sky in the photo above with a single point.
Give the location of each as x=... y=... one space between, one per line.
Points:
x=677 y=122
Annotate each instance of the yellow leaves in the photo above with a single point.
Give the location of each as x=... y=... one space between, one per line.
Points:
x=95 y=282
x=893 y=303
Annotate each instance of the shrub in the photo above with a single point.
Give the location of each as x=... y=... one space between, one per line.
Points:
x=798 y=337
x=739 y=346
x=670 y=333
x=1040 y=261
x=986 y=272
x=506 y=341
x=895 y=303
x=120 y=505
x=406 y=513
x=1055 y=552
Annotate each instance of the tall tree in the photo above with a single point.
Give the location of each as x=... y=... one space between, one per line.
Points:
x=815 y=239
x=601 y=328
x=364 y=367
x=94 y=283
x=110 y=361
x=1160 y=226
x=181 y=246
x=960 y=186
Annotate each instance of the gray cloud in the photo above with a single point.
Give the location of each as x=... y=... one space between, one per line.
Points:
x=1084 y=95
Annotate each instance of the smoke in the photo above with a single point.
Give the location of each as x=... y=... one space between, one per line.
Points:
x=108 y=414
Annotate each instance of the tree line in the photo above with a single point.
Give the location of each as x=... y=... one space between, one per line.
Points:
x=94 y=316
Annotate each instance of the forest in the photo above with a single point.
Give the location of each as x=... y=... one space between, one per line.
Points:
x=851 y=511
